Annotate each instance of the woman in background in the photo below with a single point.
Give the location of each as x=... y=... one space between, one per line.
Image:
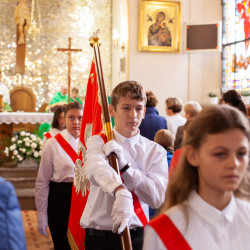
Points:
x=233 y=98
x=152 y=121
x=58 y=124
x=174 y=119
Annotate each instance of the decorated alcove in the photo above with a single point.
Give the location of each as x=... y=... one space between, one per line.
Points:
x=52 y=24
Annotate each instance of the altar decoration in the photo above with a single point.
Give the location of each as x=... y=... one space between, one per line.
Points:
x=24 y=146
x=52 y=23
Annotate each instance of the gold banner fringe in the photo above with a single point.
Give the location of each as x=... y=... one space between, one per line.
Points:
x=71 y=240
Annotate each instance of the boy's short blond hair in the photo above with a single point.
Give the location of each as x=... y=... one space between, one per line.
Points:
x=132 y=89
x=164 y=137
x=192 y=108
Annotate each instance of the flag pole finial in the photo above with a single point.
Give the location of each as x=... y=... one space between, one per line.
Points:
x=94 y=39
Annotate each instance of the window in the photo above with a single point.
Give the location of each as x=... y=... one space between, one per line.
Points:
x=235 y=45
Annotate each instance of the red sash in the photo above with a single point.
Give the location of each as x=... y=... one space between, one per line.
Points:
x=169 y=234
x=48 y=135
x=67 y=148
x=137 y=205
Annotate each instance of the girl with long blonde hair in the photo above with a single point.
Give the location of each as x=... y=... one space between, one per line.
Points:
x=204 y=206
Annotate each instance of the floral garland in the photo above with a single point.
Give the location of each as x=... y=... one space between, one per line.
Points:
x=24 y=146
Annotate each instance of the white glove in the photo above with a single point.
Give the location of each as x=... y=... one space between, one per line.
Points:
x=123 y=210
x=42 y=224
x=113 y=146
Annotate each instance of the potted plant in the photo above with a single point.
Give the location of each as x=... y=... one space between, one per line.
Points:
x=213 y=96
x=245 y=96
x=25 y=149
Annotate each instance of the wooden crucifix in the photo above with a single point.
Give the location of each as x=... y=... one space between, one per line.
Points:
x=68 y=51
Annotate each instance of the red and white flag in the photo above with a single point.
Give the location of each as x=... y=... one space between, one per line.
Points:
x=91 y=125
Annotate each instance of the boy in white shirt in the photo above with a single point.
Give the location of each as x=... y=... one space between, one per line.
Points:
x=144 y=170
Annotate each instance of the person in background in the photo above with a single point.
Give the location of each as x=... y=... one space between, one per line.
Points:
x=59 y=99
x=204 y=204
x=191 y=109
x=152 y=121
x=12 y=233
x=177 y=154
x=74 y=95
x=55 y=178
x=233 y=98
x=174 y=119
x=58 y=124
x=143 y=166
x=165 y=138
x=6 y=94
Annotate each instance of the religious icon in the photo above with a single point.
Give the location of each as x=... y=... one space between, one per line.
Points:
x=22 y=17
x=159 y=28
x=158 y=33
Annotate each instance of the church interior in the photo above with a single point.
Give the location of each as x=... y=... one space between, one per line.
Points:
x=45 y=46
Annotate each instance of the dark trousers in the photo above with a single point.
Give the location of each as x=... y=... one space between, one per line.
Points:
x=58 y=213
x=106 y=240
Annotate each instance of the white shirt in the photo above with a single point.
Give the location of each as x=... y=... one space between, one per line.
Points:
x=174 y=121
x=5 y=92
x=53 y=132
x=208 y=228
x=147 y=177
x=56 y=165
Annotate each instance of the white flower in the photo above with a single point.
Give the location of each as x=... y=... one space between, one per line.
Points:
x=26 y=139
x=13 y=147
x=24 y=150
x=36 y=154
x=12 y=157
x=33 y=145
x=27 y=144
x=19 y=141
x=33 y=137
x=22 y=133
x=19 y=158
x=40 y=153
x=13 y=139
x=27 y=134
x=15 y=152
x=6 y=151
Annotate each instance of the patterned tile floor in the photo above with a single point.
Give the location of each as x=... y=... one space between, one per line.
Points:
x=34 y=239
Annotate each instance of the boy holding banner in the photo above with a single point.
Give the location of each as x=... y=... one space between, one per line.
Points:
x=115 y=202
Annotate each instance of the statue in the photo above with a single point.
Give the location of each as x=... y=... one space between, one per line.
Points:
x=22 y=17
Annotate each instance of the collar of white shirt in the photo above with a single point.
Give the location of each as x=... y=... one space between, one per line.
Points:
x=211 y=214
x=68 y=137
x=123 y=140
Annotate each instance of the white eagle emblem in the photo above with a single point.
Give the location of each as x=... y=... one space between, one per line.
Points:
x=81 y=182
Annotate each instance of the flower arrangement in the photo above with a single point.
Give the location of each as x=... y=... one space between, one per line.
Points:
x=212 y=93
x=245 y=93
x=24 y=146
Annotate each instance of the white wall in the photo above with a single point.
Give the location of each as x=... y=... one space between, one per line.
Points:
x=187 y=76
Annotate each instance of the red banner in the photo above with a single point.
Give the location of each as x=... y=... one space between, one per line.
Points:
x=91 y=120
